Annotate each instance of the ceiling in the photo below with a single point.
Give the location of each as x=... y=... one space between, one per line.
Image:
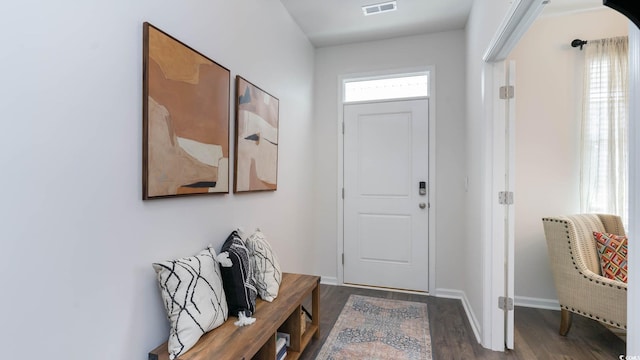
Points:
x=337 y=22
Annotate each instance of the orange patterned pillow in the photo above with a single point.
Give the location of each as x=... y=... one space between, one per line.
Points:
x=613 y=255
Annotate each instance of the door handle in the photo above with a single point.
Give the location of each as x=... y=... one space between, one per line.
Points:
x=422 y=205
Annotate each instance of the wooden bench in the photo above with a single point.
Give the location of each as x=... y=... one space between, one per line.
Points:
x=258 y=341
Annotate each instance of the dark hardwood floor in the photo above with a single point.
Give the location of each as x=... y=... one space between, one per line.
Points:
x=536 y=331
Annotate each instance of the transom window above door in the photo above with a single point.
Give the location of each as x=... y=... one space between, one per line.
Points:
x=396 y=87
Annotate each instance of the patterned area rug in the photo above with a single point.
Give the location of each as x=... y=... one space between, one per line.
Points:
x=373 y=328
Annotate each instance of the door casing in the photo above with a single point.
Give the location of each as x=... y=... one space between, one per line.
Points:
x=497 y=328
x=432 y=186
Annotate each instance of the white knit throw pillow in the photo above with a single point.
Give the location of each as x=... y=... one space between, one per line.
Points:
x=266 y=268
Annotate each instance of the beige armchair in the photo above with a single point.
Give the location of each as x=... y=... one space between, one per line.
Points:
x=576 y=269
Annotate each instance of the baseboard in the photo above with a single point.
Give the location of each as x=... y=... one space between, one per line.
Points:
x=538 y=303
x=328 y=280
x=524 y=301
x=460 y=295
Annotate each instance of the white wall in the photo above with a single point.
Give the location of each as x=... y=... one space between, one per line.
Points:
x=548 y=110
x=77 y=240
x=445 y=51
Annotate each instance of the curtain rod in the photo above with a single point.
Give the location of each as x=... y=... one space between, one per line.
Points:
x=578 y=42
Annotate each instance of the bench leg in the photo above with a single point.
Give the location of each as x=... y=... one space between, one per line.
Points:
x=565 y=321
x=315 y=308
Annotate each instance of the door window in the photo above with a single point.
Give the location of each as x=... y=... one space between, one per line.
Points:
x=397 y=87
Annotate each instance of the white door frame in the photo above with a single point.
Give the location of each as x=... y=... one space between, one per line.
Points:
x=432 y=165
x=517 y=21
x=633 y=297
x=511 y=235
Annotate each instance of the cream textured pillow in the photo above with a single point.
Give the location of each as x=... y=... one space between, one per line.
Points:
x=266 y=268
x=193 y=297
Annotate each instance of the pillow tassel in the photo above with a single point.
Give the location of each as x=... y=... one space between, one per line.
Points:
x=224 y=260
x=244 y=320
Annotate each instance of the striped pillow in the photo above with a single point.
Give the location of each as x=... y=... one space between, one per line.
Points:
x=239 y=285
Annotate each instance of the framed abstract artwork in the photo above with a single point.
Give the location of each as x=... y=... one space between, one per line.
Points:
x=185 y=119
x=256 y=157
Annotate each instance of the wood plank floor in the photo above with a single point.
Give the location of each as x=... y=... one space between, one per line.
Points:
x=536 y=331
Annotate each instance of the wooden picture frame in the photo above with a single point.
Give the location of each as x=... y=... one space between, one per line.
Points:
x=257 y=122
x=185 y=119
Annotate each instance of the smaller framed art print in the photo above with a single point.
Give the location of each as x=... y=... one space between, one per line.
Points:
x=256 y=160
x=185 y=119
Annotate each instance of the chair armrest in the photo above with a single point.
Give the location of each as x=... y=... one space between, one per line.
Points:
x=579 y=289
x=595 y=296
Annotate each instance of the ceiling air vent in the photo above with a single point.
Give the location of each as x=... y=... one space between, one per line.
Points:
x=379 y=8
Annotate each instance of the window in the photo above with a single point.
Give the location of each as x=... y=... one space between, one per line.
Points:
x=406 y=86
x=604 y=175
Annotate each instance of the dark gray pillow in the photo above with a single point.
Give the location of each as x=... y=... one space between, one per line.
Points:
x=238 y=282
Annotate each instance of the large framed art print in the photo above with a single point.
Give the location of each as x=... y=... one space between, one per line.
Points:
x=185 y=119
x=257 y=117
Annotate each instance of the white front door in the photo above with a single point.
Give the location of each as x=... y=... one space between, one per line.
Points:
x=386 y=222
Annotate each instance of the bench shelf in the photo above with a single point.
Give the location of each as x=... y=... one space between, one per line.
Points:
x=258 y=341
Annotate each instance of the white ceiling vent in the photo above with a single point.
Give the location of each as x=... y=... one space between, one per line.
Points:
x=379 y=8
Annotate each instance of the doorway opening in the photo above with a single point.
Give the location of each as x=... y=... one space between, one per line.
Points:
x=530 y=248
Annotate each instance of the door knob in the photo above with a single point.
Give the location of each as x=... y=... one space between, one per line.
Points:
x=422 y=205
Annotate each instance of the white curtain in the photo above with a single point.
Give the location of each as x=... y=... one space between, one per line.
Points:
x=603 y=182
